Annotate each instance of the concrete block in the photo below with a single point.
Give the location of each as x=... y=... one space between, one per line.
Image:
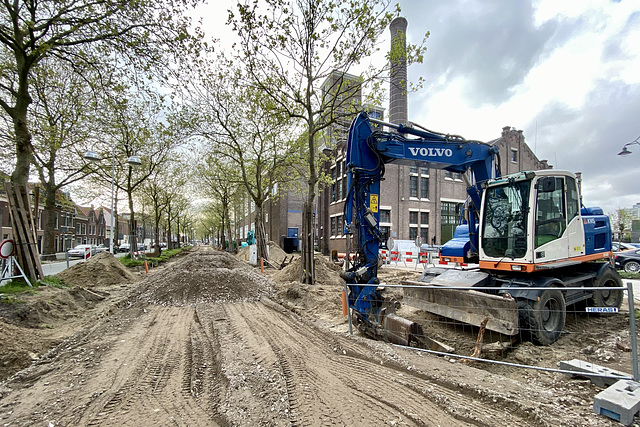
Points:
x=599 y=375
x=620 y=402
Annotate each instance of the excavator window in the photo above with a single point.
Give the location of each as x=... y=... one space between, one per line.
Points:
x=551 y=218
x=573 y=199
x=505 y=222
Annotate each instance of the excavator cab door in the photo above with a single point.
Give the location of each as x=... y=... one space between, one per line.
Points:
x=558 y=231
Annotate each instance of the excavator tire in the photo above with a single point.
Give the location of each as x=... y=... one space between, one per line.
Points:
x=603 y=298
x=542 y=321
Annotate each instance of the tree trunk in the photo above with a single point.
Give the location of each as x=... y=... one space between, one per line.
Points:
x=133 y=241
x=48 y=241
x=261 y=241
x=228 y=221
x=156 y=237
x=308 y=268
x=22 y=224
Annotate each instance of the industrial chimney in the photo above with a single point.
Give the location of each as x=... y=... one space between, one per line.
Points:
x=398 y=106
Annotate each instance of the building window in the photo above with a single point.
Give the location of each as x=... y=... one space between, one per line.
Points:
x=450 y=216
x=385 y=232
x=413 y=217
x=413 y=186
x=424 y=187
x=514 y=155
x=339 y=226
x=424 y=234
x=424 y=218
x=413 y=233
x=448 y=174
x=413 y=169
x=333 y=225
x=385 y=215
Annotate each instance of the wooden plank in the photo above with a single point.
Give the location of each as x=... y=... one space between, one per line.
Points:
x=23 y=235
x=20 y=216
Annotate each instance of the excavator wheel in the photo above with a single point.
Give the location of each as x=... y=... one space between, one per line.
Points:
x=542 y=321
x=608 y=298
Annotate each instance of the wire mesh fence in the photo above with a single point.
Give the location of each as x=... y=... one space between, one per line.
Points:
x=480 y=326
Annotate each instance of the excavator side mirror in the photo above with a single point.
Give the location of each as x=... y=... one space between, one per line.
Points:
x=547 y=184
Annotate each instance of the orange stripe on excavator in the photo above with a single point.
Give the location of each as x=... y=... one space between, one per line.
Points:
x=530 y=268
x=449 y=259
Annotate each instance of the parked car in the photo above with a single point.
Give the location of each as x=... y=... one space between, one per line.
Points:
x=101 y=248
x=620 y=246
x=80 y=250
x=637 y=245
x=125 y=247
x=628 y=260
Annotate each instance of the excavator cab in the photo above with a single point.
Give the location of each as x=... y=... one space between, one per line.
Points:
x=531 y=218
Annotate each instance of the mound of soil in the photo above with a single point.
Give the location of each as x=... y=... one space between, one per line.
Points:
x=102 y=269
x=276 y=254
x=204 y=277
x=327 y=273
x=322 y=300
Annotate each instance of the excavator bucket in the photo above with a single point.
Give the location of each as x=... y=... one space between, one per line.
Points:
x=467 y=306
x=399 y=330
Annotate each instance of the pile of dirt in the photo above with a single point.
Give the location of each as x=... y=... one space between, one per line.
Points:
x=276 y=254
x=322 y=301
x=327 y=273
x=203 y=277
x=35 y=321
x=102 y=269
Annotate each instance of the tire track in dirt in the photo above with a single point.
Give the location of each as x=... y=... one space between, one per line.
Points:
x=148 y=379
x=323 y=388
x=325 y=372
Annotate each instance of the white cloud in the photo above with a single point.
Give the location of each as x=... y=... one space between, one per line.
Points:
x=565 y=73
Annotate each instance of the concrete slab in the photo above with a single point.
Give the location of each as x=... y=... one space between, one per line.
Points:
x=620 y=402
x=599 y=375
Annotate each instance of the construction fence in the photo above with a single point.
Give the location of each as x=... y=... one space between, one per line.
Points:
x=595 y=342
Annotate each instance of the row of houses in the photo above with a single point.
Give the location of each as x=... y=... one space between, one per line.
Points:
x=73 y=224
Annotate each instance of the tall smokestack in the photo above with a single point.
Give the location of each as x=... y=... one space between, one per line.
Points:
x=398 y=106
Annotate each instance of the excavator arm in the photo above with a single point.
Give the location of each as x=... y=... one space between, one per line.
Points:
x=369 y=149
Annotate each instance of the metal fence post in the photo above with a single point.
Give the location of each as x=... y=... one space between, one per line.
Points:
x=632 y=331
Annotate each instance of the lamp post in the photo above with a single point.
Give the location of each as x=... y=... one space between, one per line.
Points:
x=625 y=151
x=131 y=161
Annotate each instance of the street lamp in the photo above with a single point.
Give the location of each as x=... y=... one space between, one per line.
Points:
x=131 y=161
x=625 y=151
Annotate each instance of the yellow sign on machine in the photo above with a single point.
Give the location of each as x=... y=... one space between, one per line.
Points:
x=373 y=202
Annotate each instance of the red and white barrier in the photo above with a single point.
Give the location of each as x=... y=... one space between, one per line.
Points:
x=405 y=258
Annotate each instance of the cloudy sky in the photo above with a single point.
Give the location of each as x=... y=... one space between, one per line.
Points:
x=566 y=73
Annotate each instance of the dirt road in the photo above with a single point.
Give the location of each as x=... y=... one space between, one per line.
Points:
x=203 y=344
